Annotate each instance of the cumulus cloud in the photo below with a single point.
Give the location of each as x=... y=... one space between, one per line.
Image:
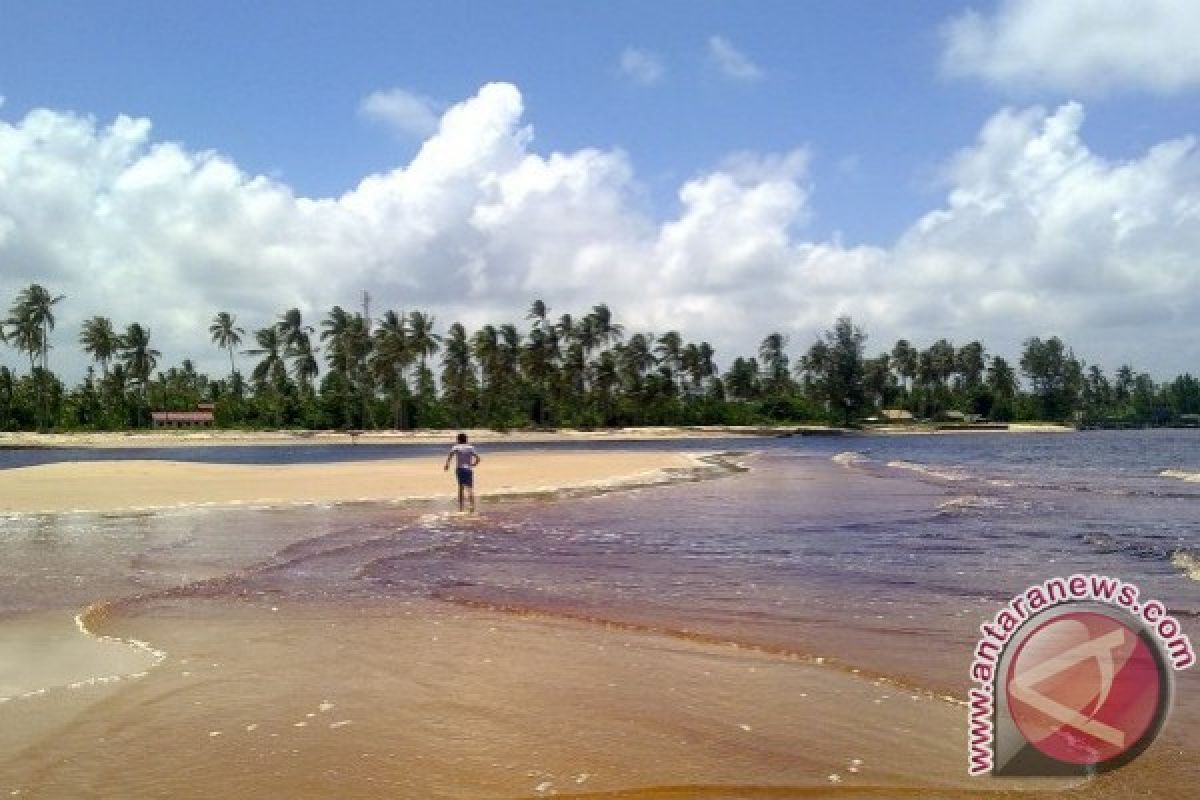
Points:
x=732 y=63
x=1041 y=233
x=1081 y=46
x=643 y=67
x=405 y=112
x=1038 y=234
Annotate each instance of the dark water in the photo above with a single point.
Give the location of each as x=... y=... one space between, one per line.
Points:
x=326 y=453
x=880 y=553
x=885 y=554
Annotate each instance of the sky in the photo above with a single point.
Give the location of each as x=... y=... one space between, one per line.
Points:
x=994 y=170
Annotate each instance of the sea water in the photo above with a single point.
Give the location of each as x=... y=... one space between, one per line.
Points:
x=869 y=554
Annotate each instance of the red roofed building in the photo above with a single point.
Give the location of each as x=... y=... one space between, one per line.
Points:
x=202 y=417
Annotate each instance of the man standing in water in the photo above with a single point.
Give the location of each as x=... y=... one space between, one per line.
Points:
x=466 y=458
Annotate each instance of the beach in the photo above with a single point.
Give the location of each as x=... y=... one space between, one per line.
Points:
x=152 y=484
x=217 y=437
x=790 y=619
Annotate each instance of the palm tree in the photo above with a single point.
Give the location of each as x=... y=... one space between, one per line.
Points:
x=510 y=348
x=421 y=338
x=270 y=374
x=272 y=368
x=639 y=354
x=587 y=334
x=773 y=357
x=291 y=326
x=485 y=346
x=350 y=346
x=226 y=335
x=605 y=329
x=458 y=375
x=138 y=358
x=390 y=360
x=670 y=352
x=304 y=363
x=136 y=354
x=32 y=319
x=24 y=333
x=538 y=311
x=100 y=340
x=336 y=328
x=698 y=364
x=566 y=330
x=297 y=341
x=38 y=304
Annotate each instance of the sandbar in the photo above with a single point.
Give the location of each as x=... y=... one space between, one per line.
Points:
x=124 y=485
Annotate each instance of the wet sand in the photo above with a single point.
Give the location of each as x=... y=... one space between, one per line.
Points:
x=142 y=485
x=417 y=699
x=300 y=658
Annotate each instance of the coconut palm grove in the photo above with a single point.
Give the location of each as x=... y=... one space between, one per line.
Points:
x=401 y=370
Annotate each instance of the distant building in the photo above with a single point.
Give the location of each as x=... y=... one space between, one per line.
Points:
x=898 y=415
x=202 y=417
x=960 y=416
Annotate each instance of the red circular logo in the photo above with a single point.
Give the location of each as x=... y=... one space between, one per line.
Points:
x=1085 y=688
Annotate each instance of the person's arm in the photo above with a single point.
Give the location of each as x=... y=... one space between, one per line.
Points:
x=449 y=456
x=475 y=459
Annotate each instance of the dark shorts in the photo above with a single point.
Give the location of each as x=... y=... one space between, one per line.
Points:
x=466 y=477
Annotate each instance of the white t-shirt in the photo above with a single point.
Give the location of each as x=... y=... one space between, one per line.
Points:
x=464 y=455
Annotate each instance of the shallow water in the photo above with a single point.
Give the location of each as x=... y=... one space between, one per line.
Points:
x=870 y=556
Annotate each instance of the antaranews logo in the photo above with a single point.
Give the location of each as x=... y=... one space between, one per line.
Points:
x=1074 y=676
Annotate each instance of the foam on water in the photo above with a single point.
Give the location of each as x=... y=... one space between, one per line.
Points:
x=1187 y=562
x=1191 y=476
x=83 y=624
x=849 y=458
x=970 y=502
x=941 y=473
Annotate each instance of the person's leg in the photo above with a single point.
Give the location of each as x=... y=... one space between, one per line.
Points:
x=460 y=496
x=471 y=495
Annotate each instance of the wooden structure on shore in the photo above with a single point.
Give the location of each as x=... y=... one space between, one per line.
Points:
x=201 y=417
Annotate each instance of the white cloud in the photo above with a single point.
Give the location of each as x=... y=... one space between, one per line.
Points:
x=1038 y=234
x=1081 y=46
x=406 y=112
x=732 y=62
x=643 y=67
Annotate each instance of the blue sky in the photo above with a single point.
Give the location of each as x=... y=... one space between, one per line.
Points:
x=276 y=85
x=871 y=92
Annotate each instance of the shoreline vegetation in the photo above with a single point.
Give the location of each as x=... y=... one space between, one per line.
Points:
x=215 y=437
x=359 y=370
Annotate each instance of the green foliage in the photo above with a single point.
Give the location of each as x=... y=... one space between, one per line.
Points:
x=399 y=372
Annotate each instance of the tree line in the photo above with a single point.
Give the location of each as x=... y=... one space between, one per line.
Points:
x=353 y=371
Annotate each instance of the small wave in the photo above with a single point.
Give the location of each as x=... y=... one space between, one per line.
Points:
x=849 y=459
x=1191 y=476
x=1188 y=562
x=942 y=473
x=93 y=615
x=970 y=502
